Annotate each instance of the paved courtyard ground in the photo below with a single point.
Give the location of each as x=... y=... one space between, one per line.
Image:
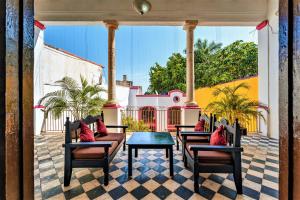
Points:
x=151 y=178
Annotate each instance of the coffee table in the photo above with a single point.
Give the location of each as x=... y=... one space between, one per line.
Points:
x=150 y=140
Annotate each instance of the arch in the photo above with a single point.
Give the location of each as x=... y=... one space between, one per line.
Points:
x=173 y=117
x=148 y=115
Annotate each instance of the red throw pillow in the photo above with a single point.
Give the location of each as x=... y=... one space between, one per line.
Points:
x=86 y=134
x=101 y=128
x=218 y=137
x=200 y=125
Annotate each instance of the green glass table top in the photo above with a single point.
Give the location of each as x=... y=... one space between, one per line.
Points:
x=150 y=138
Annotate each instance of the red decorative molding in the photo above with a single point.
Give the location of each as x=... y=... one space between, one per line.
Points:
x=38 y=107
x=161 y=95
x=39 y=25
x=191 y=107
x=262 y=25
x=135 y=87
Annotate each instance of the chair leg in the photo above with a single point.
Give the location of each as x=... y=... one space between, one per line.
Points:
x=124 y=145
x=177 y=142
x=67 y=167
x=185 y=161
x=196 y=176
x=106 y=167
x=106 y=175
x=237 y=173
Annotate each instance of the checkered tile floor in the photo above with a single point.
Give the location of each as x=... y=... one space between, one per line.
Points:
x=151 y=175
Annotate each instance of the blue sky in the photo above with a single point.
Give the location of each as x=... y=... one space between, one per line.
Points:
x=137 y=47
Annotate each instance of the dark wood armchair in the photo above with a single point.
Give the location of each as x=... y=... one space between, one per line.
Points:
x=96 y=154
x=208 y=128
x=217 y=159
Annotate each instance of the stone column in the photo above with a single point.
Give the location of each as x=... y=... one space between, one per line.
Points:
x=111 y=110
x=111 y=26
x=189 y=27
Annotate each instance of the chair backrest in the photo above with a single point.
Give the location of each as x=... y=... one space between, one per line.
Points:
x=74 y=127
x=233 y=132
x=208 y=121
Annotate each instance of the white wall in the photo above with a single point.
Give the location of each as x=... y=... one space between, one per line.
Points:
x=156 y=100
x=51 y=65
x=268 y=70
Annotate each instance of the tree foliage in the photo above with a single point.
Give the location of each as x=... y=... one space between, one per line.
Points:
x=81 y=99
x=213 y=65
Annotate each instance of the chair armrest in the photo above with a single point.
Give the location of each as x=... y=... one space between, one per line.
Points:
x=116 y=126
x=185 y=126
x=215 y=148
x=89 y=144
x=195 y=133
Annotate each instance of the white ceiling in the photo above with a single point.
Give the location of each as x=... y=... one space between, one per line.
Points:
x=164 y=12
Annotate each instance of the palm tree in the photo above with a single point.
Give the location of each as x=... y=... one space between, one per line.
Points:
x=204 y=49
x=81 y=100
x=232 y=105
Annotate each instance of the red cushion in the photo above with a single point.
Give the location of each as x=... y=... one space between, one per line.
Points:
x=86 y=134
x=101 y=128
x=218 y=137
x=200 y=125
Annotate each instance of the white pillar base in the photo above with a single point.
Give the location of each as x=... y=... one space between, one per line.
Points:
x=112 y=116
x=189 y=116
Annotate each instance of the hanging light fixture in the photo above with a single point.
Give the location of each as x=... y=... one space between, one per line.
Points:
x=141 y=6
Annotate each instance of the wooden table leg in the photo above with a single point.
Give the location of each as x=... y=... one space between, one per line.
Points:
x=171 y=161
x=129 y=161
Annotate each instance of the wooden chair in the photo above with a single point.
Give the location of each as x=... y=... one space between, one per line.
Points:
x=90 y=154
x=217 y=159
x=208 y=128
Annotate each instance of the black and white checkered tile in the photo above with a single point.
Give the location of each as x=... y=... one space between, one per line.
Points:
x=151 y=178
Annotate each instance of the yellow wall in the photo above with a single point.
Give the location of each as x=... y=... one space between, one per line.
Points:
x=204 y=95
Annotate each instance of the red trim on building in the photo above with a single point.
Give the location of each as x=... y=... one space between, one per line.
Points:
x=191 y=107
x=39 y=25
x=161 y=95
x=39 y=107
x=68 y=53
x=112 y=106
x=135 y=87
x=262 y=25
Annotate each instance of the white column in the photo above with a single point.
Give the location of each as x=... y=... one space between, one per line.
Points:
x=111 y=26
x=189 y=113
x=263 y=77
x=268 y=72
x=112 y=111
x=189 y=27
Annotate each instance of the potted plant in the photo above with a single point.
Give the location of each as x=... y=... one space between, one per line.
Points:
x=231 y=105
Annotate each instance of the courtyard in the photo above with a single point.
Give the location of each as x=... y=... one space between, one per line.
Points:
x=151 y=180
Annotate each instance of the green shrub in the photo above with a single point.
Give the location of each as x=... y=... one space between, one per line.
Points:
x=134 y=125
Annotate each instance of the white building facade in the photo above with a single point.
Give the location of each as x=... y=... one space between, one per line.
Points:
x=52 y=64
x=160 y=112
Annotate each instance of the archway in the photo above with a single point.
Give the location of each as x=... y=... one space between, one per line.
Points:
x=174 y=117
x=148 y=115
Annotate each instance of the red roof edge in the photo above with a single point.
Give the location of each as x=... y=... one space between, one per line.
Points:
x=39 y=25
x=66 y=52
